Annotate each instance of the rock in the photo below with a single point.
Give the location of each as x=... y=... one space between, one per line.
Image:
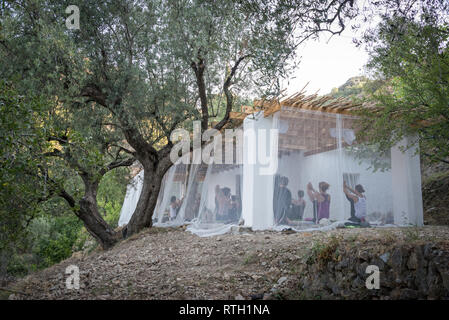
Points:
x=385 y=257
x=77 y=255
x=395 y=293
x=267 y=296
x=288 y=231
x=358 y=283
x=335 y=288
x=282 y=280
x=412 y=262
x=428 y=250
x=442 y=265
x=344 y=263
x=361 y=269
x=364 y=255
x=433 y=282
x=239 y=297
x=404 y=294
x=398 y=259
x=257 y=296
x=378 y=262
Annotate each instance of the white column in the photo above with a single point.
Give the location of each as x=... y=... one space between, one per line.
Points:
x=257 y=202
x=340 y=213
x=406 y=176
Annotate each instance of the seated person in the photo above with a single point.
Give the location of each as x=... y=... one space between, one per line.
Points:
x=352 y=218
x=174 y=207
x=298 y=206
x=359 y=200
x=234 y=210
x=321 y=200
x=192 y=206
x=282 y=201
x=222 y=202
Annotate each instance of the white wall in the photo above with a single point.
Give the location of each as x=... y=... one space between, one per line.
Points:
x=406 y=173
x=257 y=198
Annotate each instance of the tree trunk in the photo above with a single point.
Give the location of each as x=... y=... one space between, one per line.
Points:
x=143 y=215
x=91 y=217
x=95 y=224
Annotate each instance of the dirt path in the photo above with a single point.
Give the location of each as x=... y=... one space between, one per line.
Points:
x=174 y=264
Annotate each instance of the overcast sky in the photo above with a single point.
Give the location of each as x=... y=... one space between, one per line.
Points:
x=327 y=64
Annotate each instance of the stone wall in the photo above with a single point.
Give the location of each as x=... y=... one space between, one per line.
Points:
x=407 y=271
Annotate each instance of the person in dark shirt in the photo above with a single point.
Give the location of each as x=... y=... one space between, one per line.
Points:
x=297 y=210
x=353 y=218
x=282 y=201
x=234 y=210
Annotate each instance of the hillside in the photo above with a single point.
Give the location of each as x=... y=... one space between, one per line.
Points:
x=174 y=264
x=353 y=87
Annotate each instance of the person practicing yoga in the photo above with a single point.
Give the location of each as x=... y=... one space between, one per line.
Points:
x=222 y=203
x=297 y=209
x=174 y=207
x=321 y=200
x=359 y=199
x=282 y=201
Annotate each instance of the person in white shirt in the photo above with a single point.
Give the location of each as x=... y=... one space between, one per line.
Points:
x=174 y=207
x=359 y=199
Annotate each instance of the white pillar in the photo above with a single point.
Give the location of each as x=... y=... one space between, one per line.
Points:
x=257 y=202
x=406 y=176
x=339 y=214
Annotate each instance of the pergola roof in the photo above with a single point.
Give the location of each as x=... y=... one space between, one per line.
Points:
x=300 y=100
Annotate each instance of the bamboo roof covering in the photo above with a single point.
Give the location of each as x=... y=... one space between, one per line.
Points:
x=300 y=100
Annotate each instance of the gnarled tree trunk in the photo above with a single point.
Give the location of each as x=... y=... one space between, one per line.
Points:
x=87 y=211
x=143 y=215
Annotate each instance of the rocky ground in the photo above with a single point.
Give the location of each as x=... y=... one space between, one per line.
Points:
x=435 y=198
x=174 y=264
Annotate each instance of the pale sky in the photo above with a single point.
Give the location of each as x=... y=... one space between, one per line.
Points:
x=327 y=65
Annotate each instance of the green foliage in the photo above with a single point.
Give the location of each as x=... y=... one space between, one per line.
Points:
x=56 y=244
x=49 y=240
x=413 y=58
x=111 y=195
x=323 y=252
x=20 y=139
x=411 y=234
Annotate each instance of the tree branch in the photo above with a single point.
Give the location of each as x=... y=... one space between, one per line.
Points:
x=227 y=84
